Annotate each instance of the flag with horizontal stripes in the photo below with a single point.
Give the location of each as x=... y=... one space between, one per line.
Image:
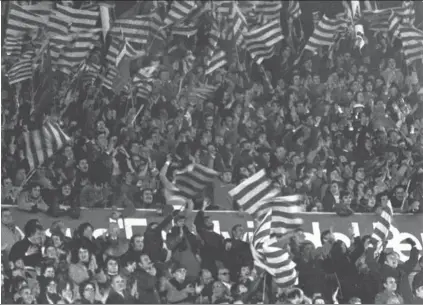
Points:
x=179 y=10
x=239 y=24
x=135 y=29
x=108 y=79
x=43 y=143
x=185 y=29
x=260 y=42
x=379 y=19
x=252 y=192
x=23 y=69
x=203 y=92
x=78 y=50
x=64 y=19
x=405 y=16
x=217 y=61
x=21 y=20
x=269 y=10
x=223 y=9
x=192 y=180
x=91 y=73
x=214 y=36
x=13 y=45
x=412 y=43
x=271 y=254
x=324 y=33
x=383 y=225
x=143 y=89
x=294 y=9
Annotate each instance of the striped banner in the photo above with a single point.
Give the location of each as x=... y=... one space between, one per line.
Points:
x=42 y=144
x=179 y=11
x=412 y=43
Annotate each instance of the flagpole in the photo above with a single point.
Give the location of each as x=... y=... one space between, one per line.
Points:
x=264 y=287
x=406 y=191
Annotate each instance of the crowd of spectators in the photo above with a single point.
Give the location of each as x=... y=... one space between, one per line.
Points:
x=343 y=128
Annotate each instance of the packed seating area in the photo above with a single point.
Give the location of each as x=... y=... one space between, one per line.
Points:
x=188 y=113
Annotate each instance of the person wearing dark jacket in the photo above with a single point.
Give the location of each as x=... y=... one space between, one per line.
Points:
x=153 y=238
x=29 y=248
x=417 y=287
x=392 y=268
x=118 y=294
x=212 y=242
x=237 y=252
x=146 y=281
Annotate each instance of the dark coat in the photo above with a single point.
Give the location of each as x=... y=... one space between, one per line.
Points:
x=116 y=298
x=146 y=285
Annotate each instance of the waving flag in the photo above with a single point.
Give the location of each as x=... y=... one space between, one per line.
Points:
x=271 y=254
x=192 y=180
x=21 y=20
x=239 y=24
x=412 y=43
x=294 y=9
x=324 y=33
x=179 y=10
x=185 y=29
x=383 y=225
x=44 y=143
x=22 y=69
x=260 y=42
x=217 y=61
x=252 y=194
x=269 y=10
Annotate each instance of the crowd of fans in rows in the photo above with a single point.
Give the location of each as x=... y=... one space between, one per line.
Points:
x=345 y=129
x=194 y=264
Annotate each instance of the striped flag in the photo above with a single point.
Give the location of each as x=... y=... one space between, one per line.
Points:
x=214 y=36
x=43 y=143
x=13 y=45
x=64 y=19
x=185 y=29
x=260 y=42
x=252 y=192
x=21 y=20
x=22 y=69
x=383 y=225
x=271 y=254
x=223 y=8
x=294 y=9
x=324 y=33
x=91 y=73
x=269 y=10
x=78 y=50
x=179 y=11
x=108 y=80
x=239 y=24
x=192 y=180
x=403 y=16
x=135 y=29
x=217 y=61
x=203 y=92
x=142 y=81
x=412 y=43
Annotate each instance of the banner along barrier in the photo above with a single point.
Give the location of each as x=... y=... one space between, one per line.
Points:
x=404 y=225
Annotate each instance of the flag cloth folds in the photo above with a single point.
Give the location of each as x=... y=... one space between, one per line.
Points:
x=271 y=254
x=412 y=43
x=260 y=42
x=383 y=225
x=192 y=180
x=252 y=194
x=179 y=10
x=294 y=9
x=324 y=33
x=43 y=143
x=22 y=69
